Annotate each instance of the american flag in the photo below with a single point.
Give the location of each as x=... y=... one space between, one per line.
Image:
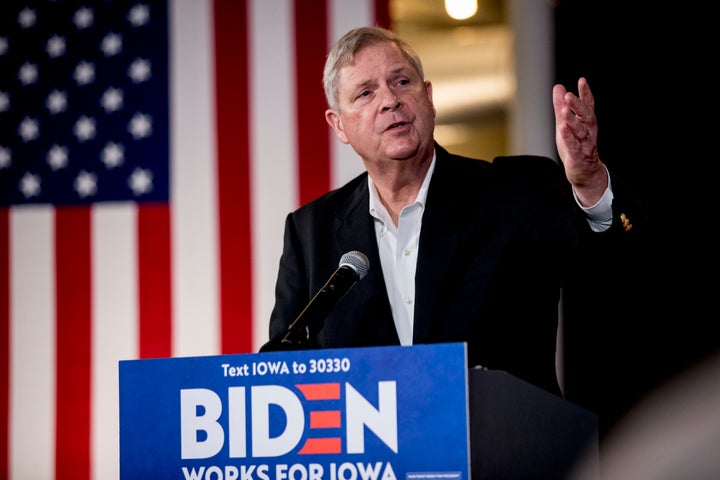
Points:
x=149 y=152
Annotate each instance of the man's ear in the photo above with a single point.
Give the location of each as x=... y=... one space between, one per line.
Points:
x=428 y=90
x=333 y=119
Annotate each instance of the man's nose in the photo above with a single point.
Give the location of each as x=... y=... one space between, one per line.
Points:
x=390 y=100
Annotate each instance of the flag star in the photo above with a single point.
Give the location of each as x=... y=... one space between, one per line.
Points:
x=57 y=157
x=4 y=101
x=5 y=157
x=112 y=100
x=28 y=73
x=113 y=155
x=86 y=184
x=84 y=73
x=55 y=46
x=83 y=18
x=84 y=128
x=29 y=129
x=139 y=70
x=27 y=17
x=3 y=45
x=56 y=102
x=111 y=44
x=140 y=181
x=140 y=126
x=30 y=185
x=139 y=15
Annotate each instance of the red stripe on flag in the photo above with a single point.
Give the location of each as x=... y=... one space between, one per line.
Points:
x=382 y=13
x=4 y=340
x=312 y=132
x=154 y=280
x=74 y=333
x=233 y=167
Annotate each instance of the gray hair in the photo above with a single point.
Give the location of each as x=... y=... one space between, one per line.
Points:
x=349 y=45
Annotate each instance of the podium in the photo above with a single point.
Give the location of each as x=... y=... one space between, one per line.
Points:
x=359 y=413
x=519 y=431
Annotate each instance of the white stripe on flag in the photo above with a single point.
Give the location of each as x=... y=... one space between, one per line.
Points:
x=274 y=153
x=115 y=325
x=193 y=190
x=343 y=16
x=32 y=337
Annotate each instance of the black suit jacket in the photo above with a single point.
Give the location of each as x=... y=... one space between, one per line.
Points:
x=497 y=242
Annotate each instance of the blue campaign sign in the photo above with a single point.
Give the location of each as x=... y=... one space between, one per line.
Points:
x=371 y=413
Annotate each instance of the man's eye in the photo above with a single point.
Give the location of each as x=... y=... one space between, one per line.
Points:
x=364 y=93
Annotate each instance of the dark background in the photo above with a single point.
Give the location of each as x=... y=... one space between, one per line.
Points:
x=648 y=65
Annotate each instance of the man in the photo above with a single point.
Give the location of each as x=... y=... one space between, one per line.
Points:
x=459 y=249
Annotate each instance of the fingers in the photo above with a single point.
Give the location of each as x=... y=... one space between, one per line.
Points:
x=576 y=111
x=575 y=122
x=585 y=93
x=558 y=99
x=558 y=95
x=582 y=104
x=566 y=134
x=568 y=114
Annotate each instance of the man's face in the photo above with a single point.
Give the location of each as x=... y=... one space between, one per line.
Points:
x=386 y=110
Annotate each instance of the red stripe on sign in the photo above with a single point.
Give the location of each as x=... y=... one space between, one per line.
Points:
x=233 y=175
x=154 y=280
x=4 y=340
x=320 y=391
x=326 y=419
x=74 y=332
x=312 y=131
x=321 y=445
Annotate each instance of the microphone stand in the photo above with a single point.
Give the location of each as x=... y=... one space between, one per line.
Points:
x=294 y=339
x=301 y=334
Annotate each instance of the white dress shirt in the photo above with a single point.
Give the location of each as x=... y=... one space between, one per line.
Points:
x=398 y=248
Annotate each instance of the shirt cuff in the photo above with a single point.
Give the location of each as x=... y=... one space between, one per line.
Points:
x=600 y=215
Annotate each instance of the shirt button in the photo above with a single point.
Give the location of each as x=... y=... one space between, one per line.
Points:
x=408 y=300
x=406 y=252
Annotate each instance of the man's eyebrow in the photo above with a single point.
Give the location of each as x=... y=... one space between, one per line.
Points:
x=362 y=84
x=400 y=69
x=367 y=82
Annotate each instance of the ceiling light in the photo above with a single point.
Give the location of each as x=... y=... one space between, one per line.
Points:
x=461 y=9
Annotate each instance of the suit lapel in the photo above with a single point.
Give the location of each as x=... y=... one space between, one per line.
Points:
x=352 y=227
x=354 y=230
x=439 y=237
x=442 y=222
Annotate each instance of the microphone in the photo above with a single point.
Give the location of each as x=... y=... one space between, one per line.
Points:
x=301 y=333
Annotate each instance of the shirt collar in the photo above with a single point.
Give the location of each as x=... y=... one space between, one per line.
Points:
x=377 y=206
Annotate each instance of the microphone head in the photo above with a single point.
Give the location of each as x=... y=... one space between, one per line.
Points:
x=357 y=261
